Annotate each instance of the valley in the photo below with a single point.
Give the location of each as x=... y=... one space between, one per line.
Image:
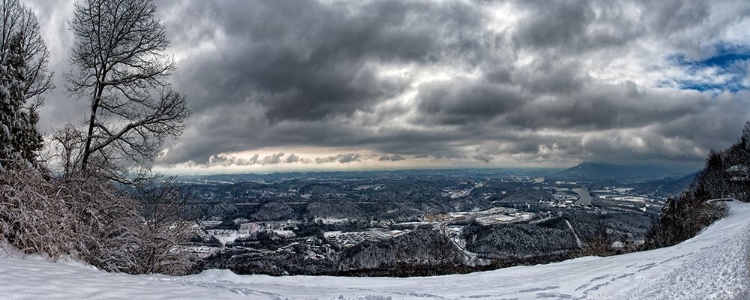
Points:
x=404 y=223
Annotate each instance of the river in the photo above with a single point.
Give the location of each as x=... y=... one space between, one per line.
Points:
x=583 y=196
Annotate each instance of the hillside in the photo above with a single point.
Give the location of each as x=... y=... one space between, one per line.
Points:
x=713 y=265
x=665 y=187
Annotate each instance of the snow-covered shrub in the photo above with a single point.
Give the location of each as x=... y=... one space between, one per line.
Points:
x=109 y=225
x=167 y=225
x=85 y=217
x=34 y=216
x=122 y=234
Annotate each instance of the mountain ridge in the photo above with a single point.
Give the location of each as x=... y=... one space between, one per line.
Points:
x=593 y=171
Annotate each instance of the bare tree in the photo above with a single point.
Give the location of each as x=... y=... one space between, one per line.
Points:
x=16 y=19
x=122 y=69
x=67 y=146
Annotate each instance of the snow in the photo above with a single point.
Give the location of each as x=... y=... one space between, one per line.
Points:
x=227 y=236
x=713 y=265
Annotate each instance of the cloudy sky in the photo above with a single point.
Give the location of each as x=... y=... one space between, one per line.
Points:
x=303 y=84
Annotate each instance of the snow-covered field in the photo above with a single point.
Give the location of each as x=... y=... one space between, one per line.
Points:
x=713 y=265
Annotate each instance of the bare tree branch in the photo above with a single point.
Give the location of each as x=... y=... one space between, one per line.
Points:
x=120 y=66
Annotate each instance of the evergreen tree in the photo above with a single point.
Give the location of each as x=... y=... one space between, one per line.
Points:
x=18 y=135
x=29 y=139
x=8 y=115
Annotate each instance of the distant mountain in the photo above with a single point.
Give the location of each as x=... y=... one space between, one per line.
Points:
x=597 y=172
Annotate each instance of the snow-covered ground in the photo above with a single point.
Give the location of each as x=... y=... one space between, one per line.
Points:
x=713 y=265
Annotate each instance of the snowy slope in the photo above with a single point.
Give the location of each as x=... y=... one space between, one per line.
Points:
x=713 y=265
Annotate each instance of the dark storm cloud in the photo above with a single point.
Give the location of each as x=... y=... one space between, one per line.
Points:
x=305 y=60
x=223 y=160
x=482 y=157
x=605 y=106
x=462 y=102
x=292 y=159
x=487 y=81
x=674 y=16
x=554 y=98
x=551 y=77
x=564 y=26
x=324 y=160
x=343 y=158
x=395 y=157
x=349 y=157
x=272 y=159
x=228 y=160
x=281 y=65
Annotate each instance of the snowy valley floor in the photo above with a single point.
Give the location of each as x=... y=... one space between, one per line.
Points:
x=713 y=265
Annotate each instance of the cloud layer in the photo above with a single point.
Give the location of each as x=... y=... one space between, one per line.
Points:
x=496 y=82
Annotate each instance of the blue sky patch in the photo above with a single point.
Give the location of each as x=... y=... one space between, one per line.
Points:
x=730 y=65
